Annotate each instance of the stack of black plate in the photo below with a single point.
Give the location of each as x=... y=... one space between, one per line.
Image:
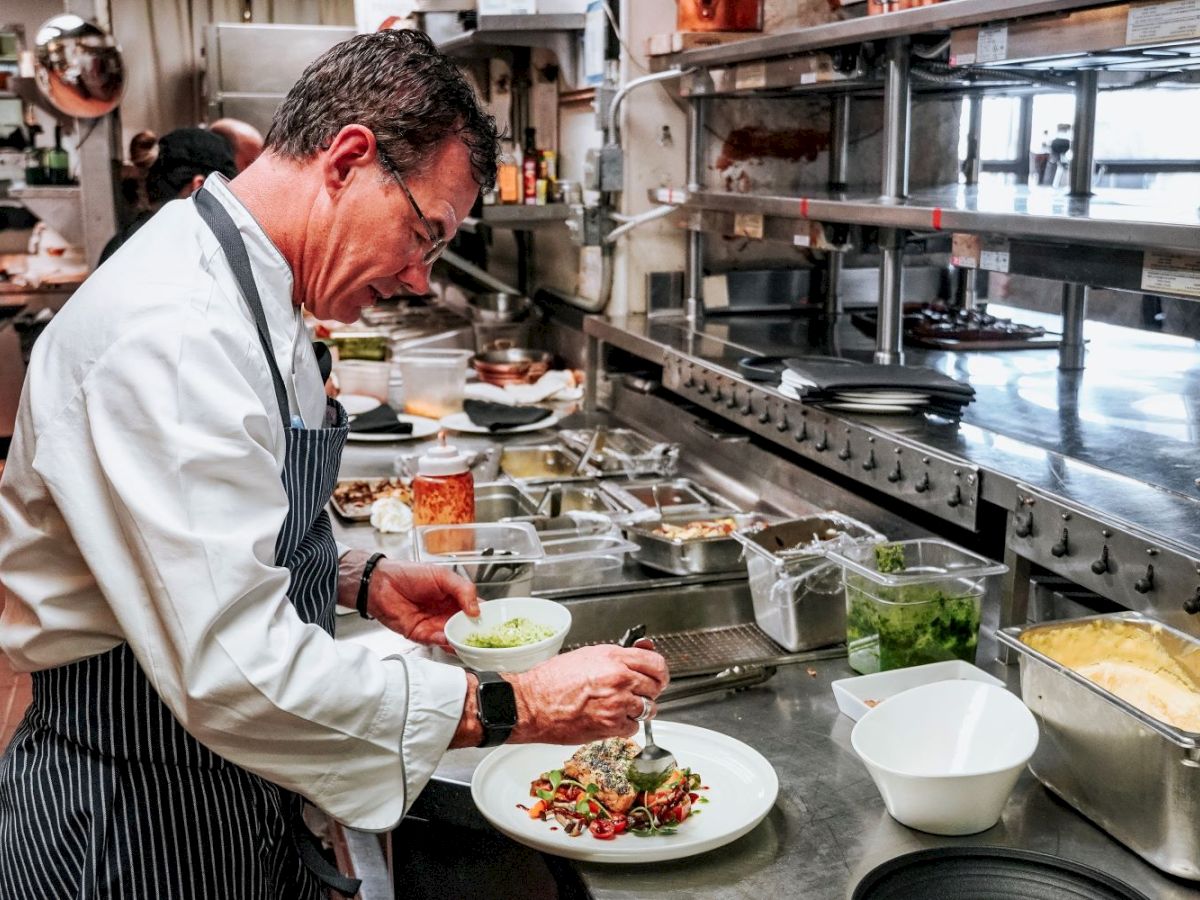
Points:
x=988 y=873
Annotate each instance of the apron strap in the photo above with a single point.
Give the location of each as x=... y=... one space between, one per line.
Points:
x=217 y=218
x=318 y=866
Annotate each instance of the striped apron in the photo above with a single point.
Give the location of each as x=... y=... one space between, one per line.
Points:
x=104 y=794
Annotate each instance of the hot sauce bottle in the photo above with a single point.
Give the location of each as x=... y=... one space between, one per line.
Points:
x=443 y=491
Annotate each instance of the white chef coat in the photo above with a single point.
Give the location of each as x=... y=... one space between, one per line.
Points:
x=142 y=500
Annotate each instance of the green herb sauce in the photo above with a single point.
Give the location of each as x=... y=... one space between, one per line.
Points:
x=513 y=633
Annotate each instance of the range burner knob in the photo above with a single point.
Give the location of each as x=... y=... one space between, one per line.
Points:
x=1100 y=566
x=822 y=443
x=1023 y=525
x=765 y=416
x=923 y=484
x=782 y=424
x=869 y=462
x=732 y=401
x=896 y=474
x=747 y=407
x=955 y=499
x=1145 y=584
x=1062 y=548
x=690 y=380
x=702 y=387
x=844 y=454
x=801 y=434
x=1191 y=605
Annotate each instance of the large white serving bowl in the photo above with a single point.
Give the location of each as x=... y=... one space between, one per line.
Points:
x=497 y=612
x=945 y=756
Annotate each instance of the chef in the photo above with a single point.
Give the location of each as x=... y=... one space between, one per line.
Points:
x=170 y=572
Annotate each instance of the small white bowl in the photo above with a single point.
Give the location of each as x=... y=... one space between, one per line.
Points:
x=945 y=756
x=497 y=612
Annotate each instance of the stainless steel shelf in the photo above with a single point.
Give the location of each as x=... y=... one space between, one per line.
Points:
x=518 y=217
x=558 y=32
x=941 y=18
x=1116 y=218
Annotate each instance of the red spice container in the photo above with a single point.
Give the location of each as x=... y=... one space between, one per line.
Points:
x=443 y=491
x=719 y=15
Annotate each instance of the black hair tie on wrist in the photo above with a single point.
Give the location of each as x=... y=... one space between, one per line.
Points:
x=364 y=583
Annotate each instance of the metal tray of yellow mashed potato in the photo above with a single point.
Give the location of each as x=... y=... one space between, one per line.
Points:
x=1130 y=772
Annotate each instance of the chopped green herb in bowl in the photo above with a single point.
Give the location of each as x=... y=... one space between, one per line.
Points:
x=516 y=632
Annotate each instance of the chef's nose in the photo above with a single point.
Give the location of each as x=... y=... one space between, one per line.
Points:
x=415 y=277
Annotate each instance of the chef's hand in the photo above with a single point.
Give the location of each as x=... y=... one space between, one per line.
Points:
x=587 y=694
x=416 y=600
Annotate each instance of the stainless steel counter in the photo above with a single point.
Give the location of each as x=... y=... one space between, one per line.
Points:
x=829 y=827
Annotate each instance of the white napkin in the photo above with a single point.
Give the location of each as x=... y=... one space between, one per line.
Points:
x=557 y=384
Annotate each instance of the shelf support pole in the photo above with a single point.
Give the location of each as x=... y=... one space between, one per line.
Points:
x=967 y=280
x=694 y=270
x=1072 y=350
x=897 y=106
x=839 y=149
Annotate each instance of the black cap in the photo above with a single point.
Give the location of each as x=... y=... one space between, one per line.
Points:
x=182 y=155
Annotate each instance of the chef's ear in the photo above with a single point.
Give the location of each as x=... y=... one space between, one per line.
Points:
x=351 y=149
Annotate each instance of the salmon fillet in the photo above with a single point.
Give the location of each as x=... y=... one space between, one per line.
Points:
x=604 y=764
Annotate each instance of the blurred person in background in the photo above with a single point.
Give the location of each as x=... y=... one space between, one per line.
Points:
x=182 y=159
x=246 y=140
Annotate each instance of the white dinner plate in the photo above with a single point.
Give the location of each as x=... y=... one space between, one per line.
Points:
x=742 y=787
x=460 y=421
x=422 y=428
x=871 y=407
x=897 y=397
x=357 y=404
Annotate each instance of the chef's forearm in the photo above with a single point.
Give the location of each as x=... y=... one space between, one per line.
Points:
x=350 y=568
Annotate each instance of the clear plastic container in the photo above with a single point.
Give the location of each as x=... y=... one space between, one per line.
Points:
x=356 y=376
x=581 y=561
x=927 y=612
x=497 y=556
x=797 y=592
x=433 y=381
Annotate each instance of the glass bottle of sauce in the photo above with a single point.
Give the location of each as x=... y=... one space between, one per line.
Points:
x=443 y=494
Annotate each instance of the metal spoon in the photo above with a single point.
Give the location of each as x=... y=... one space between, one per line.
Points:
x=653 y=763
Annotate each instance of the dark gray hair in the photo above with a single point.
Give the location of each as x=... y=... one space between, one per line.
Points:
x=397 y=84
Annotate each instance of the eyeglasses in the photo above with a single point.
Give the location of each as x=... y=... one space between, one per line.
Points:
x=437 y=244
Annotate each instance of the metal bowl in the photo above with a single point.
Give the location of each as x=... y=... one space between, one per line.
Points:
x=498 y=307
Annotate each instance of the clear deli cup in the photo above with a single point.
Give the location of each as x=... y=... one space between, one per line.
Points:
x=433 y=381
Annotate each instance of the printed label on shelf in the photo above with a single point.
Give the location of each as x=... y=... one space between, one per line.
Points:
x=992 y=45
x=750 y=76
x=748 y=225
x=1173 y=273
x=994 y=257
x=810 y=77
x=963 y=59
x=1168 y=21
x=802 y=240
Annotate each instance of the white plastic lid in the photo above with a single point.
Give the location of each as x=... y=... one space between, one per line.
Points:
x=445 y=459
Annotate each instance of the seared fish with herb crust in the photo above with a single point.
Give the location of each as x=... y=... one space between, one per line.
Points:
x=604 y=764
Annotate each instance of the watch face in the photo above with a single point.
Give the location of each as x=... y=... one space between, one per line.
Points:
x=497 y=704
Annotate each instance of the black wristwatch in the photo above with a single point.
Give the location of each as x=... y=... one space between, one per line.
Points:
x=497 y=708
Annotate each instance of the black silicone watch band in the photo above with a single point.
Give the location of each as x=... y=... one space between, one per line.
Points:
x=494 y=732
x=364 y=584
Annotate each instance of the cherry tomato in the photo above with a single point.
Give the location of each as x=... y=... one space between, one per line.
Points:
x=619 y=824
x=602 y=829
x=594 y=807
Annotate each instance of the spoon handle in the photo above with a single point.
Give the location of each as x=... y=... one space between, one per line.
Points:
x=649 y=733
